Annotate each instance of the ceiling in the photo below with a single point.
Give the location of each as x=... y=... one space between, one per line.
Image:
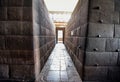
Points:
x=61 y=5
x=60 y=11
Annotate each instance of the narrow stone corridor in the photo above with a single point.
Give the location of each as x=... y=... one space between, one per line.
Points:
x=59 y=67
x=30 y=29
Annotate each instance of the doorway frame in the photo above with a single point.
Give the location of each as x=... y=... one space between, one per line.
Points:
x=60 y=28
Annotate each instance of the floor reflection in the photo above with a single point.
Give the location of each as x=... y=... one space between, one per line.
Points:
x=59 y=67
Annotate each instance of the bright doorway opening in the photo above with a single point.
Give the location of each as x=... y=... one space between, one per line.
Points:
x=60 y=35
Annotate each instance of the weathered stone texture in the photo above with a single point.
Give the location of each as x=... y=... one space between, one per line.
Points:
x=77 y=26
x=94 y=58
x=44 y=37
x=22 y=71
x=20 y=39
x=100 y=29
x=14 y=13
x=102 y=63
x=16 y=44
x=95 y=73
x=99 y=44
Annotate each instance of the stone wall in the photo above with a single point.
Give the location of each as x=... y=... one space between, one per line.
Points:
x=75 y=34
x=44 y=35
x=16 y=41
x=18 y=51
x=103 y=43
x=94 y=43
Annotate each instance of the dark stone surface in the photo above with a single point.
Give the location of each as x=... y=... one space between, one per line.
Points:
x=13 y=28
x=19 y=43
x=14 y=13
x=16 y=57
x=96 y=43
x=27 y=13
x=27 y=3
x=27 y=28
x=3 y=13
x=107 y=5
x=103 y=34
x=106 y=17
x=105 y=30
x=111 y=44
x=95 y=73
x=75 y=43
x=118 y=62
x=3 y=3
x=117 y=5
x=101 y=58
x=4 y=71
x=2 y=43
x=14 y=3
x=2 y=26
x=43 y=30
x=116 y=18
x=22 y=71
x=117 y=31
x=114 y=74
x=16 y=41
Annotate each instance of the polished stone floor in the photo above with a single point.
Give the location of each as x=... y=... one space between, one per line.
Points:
x=59 y=67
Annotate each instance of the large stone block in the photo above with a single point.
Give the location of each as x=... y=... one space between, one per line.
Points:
x=27 y=13
x=13 y=28
x=101 y=58
x=117 y=31
x=104 y=30
x=4 y=71
x=19 y=43
x=107 y=5
x=117 y=5
x=111 y=44
x=106 y=17
x=95 y=73
x=15 y=3
x=14 y=13
x=102 y=17
x=22 y=71
x=96 y=44
x=16 y=57
x=3 y=13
